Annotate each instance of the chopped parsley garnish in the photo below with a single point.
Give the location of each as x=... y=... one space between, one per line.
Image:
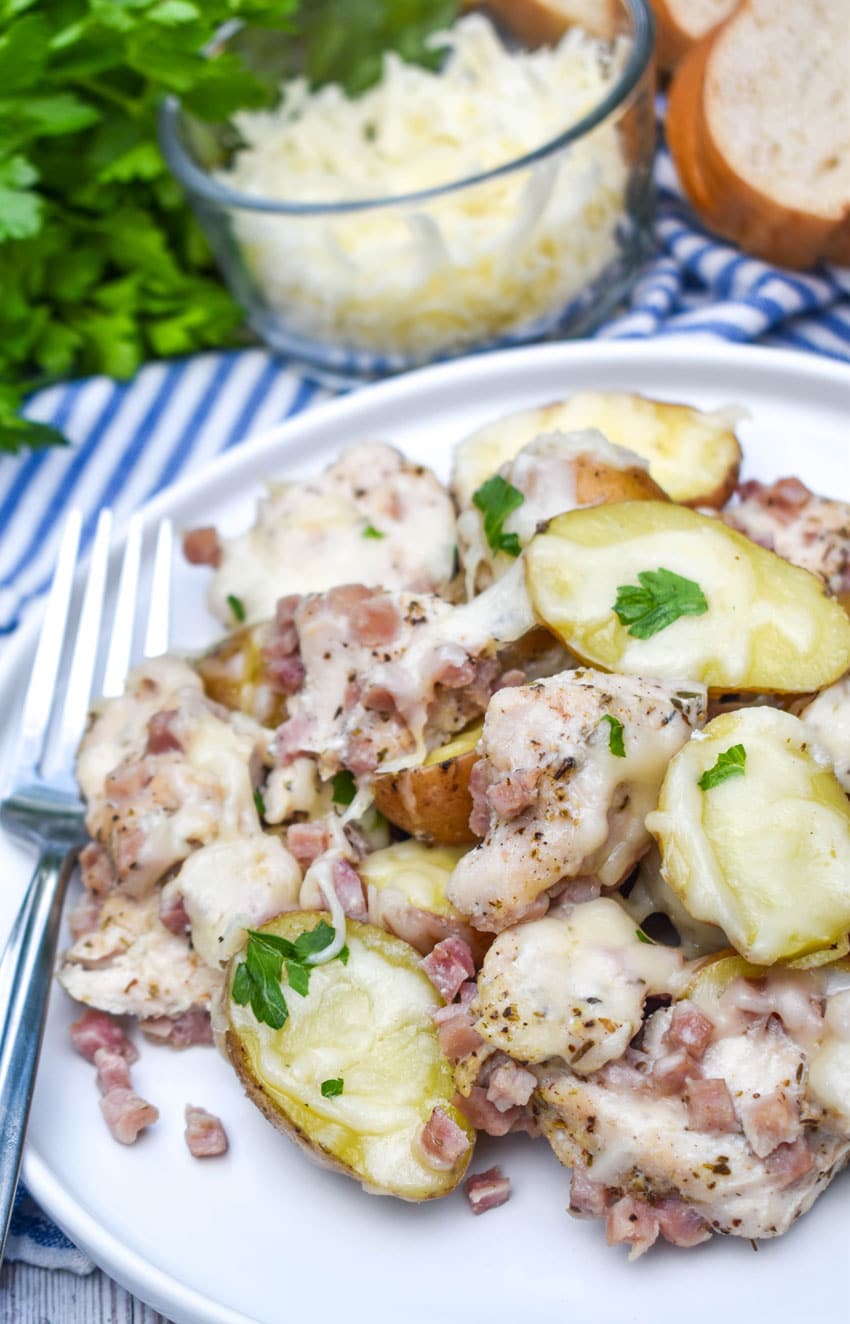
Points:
x=259 y=804
x=237 y=606
x=644 y=937
x=615 y=736
x=730 y=763
x=258 y=978
x=371 y=532
x=344 y=787
x=331 y=1088
x=661 y=599
x=496 y=499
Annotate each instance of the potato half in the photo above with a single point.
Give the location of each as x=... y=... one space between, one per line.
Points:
x=694 y=457
x=433 y=801
x=769 y=626
x=366 y=1022
x=764 y=852
x=234 y=674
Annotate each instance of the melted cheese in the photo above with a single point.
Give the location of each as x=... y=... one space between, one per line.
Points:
x=570 y=988
x=416 y=872
x=766 y=855
x=827 y=720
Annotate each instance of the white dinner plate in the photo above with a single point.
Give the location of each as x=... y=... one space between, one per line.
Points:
x=263 y=1235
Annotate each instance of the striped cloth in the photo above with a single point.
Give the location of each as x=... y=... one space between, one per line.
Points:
x=131 y=439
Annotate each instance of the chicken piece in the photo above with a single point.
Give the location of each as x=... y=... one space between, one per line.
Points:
x=571 y=987
x=553 y=795
x=827 y=718
x=549 y=473
x=372 y=516
x=186 y=779
x=132 y=965
x=808 y=530
x=230 y=886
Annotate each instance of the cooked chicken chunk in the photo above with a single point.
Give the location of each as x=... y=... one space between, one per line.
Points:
x=809 y=530
x=373 y=517
x=552 y=792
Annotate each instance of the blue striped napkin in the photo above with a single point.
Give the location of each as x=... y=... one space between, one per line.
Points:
x=131 y=439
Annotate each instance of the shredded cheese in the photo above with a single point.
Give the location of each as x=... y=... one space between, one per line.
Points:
x=470 y=265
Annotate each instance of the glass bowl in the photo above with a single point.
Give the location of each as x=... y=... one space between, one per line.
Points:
x=543 y=246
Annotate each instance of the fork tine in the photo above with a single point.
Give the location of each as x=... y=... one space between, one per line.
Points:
x=156 y=636
x=78 y=693
x=49 y=652
x=121 y=642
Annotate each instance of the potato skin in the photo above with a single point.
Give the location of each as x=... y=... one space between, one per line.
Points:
x=599 y=484
x=430 y=802
x=234 y=674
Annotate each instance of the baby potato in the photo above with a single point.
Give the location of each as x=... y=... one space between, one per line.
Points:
x=755 y=837
x=693 y=456
x=406 y=885
x=433 y=801
x=653 y=589
x=234 y=674
x=362 y=1030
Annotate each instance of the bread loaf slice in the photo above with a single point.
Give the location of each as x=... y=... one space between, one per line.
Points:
x=759 y=126
x=681 y=23
x=544 y=22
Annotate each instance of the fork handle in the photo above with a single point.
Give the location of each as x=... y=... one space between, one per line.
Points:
x=25 y=975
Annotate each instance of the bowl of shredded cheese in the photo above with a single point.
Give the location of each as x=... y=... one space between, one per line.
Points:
x=502 y=197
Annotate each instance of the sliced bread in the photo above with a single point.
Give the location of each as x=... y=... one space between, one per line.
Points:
x=680 y=23
x=759 y=126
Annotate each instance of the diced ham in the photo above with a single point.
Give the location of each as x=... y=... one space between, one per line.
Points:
x=202 y=547
x=375 y=621
x=127 y=780
x=788 y=1163
x=785 y=497
x=286 y=674
x=284 y=612
x=192 y=1027
x=172 y=913
x=511 y=1086
x=126 y=1114
x=689 y=1029
x=671 y=1071
x=633 y=1221
x=97 y=1029
x=579 y=890
x=487 y=1190
x=161 y=734
x=679 y=1223
x=453 y=668
x=96 y=870
x=485 y=1116
x=442 y=1142
x=509 y=796
x=456 y=1031
x=769 y=1121
x=588 y=1199
x=348 y=886
x=113 y=1071
x=448 y=966
x=709 y=1106
x=291 y=738
x=306 y=841
x=85 y=916
x=204 y=1133
x=479 y=781
x=509 y=679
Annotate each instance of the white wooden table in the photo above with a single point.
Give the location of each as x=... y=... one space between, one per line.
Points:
x=40 y=1296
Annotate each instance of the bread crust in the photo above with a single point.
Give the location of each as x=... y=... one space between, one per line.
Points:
x=728 y=203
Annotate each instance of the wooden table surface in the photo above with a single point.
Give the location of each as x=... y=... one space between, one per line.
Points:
x=43 y=1296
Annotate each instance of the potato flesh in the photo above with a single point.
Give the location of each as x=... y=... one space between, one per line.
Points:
x=419 y=872
x=766 y=855
x=368 y=1022
x=462 y=744
x=693 y=456
x=769 y=625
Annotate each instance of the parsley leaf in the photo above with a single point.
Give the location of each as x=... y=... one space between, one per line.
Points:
x=644 y=937
x=371 y=532
x=496 y=499
x=237 y=606
x=257 y=979
x=661 y=599
x=616 y=743
x=331 y=1088
x=731 y=763
x=344 y=787
x=259 y=804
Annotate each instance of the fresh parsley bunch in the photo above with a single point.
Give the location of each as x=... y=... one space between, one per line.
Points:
x=101 y=262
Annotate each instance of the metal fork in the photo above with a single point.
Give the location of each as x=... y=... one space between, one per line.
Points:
x=44 y=808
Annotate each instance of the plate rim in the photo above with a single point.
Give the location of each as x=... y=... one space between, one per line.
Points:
x=132 y=1268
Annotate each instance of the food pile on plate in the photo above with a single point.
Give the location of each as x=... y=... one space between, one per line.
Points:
x=517 y=806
